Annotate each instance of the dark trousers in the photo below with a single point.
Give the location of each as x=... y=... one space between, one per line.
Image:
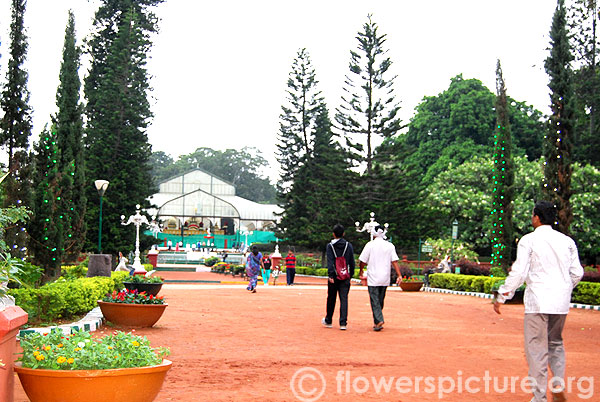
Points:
x=333 y=289
x=290 y=274
x=377 y=295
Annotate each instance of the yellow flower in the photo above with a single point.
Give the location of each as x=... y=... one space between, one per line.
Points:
x=135 y=343
x=110 y=347
x=61 y=359
x=47 y=347
x=70 y=360
x=60 y=345
x=35 y=353
x=77 y=349
x=40 y=357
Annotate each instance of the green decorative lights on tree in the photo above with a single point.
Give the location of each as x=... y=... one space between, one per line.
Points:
x=503 y=177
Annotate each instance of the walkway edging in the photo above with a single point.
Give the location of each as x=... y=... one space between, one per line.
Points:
x=91 y=322
x=489 y=296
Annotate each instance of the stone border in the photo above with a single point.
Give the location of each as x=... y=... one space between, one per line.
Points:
x=91 y=322
x=489 y=296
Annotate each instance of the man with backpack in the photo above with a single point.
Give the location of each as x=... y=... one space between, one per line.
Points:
x=340 y=268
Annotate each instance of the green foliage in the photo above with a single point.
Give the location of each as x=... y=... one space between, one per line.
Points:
x=118 y=114
x=444 y=247
x=503 y=177
x=497 y=272
x=48 y=220
x=30 y=274
x=559 y=139
x=10 y=270
x=369 y=107
x=210 y=261
x=145 y=279
x=127 y=296
x=81 y=351
x=321 y=272
x=65 y=298
x=73 y=271
x=586 y=293
x=68 y=123
x=464 y=283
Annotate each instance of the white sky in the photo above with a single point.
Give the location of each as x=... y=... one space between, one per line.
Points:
x=219 y=68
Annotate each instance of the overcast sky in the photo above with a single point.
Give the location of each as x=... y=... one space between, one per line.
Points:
x=219 y=68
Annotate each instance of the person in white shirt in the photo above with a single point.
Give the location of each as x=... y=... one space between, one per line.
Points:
x=378 y=255
x=548 y=262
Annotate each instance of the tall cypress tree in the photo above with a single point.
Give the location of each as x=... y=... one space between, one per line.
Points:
x=502 y=179
x=558 y=144
x=369 y=107
x=118 y=114
x=15 y=127
x=47 y=224
x=69 y=137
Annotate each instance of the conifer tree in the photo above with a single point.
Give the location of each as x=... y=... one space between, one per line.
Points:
x=297 y=122
x=368 y=106
x=558 y=144
x=503 y=180
x=47 y=224
x=118 y=113
x=69 y=137
x=15 y=127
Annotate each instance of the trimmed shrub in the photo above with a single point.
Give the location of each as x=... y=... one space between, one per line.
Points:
x=591 y=277
x=321 y=272
x=65 y=298
x=584 y=292
x=210 y=261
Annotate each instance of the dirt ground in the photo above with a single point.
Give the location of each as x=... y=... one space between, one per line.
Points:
x=230 y=345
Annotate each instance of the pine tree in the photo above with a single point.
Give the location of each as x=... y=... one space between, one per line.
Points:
x=297 y=122
x=369 y=107
x=47 y=224
x=69 y=137
x=15 y=127
x=503 y=180
x=321 y=193
x=558 y=144
x=118 y=114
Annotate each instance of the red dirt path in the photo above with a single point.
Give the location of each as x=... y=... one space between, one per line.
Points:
x=229 y=345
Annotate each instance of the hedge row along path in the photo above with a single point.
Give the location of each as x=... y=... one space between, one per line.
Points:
x=229 y=345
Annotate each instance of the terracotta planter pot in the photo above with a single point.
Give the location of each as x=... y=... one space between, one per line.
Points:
x=149 y=288
x=411 y=286
x=132 y=315
x=140 y=384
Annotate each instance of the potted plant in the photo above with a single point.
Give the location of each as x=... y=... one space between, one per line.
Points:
x=411 y=284
x=149 y=284
x=132 y=308
x=120 y=367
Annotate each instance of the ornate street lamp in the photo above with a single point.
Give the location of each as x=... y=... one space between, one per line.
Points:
x=101 y=186
x=138 y=220
x=370 y=226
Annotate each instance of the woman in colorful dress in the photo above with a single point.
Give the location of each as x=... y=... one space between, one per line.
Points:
x=253 y=266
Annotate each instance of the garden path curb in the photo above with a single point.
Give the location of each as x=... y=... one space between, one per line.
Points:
x=489 y=296
x=91 y=322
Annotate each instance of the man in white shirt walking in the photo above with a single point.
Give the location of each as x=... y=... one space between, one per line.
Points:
x=378 y=255
x=548 y=262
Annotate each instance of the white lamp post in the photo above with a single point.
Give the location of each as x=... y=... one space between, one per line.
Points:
x=101 y=186
x=137 y=220
x=370 y=226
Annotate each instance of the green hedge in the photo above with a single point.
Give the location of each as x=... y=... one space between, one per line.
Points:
x=65 y=298
x=585 y=292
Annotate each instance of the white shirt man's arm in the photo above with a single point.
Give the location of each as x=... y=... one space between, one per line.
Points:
x=518 y=273
x=575 y=270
